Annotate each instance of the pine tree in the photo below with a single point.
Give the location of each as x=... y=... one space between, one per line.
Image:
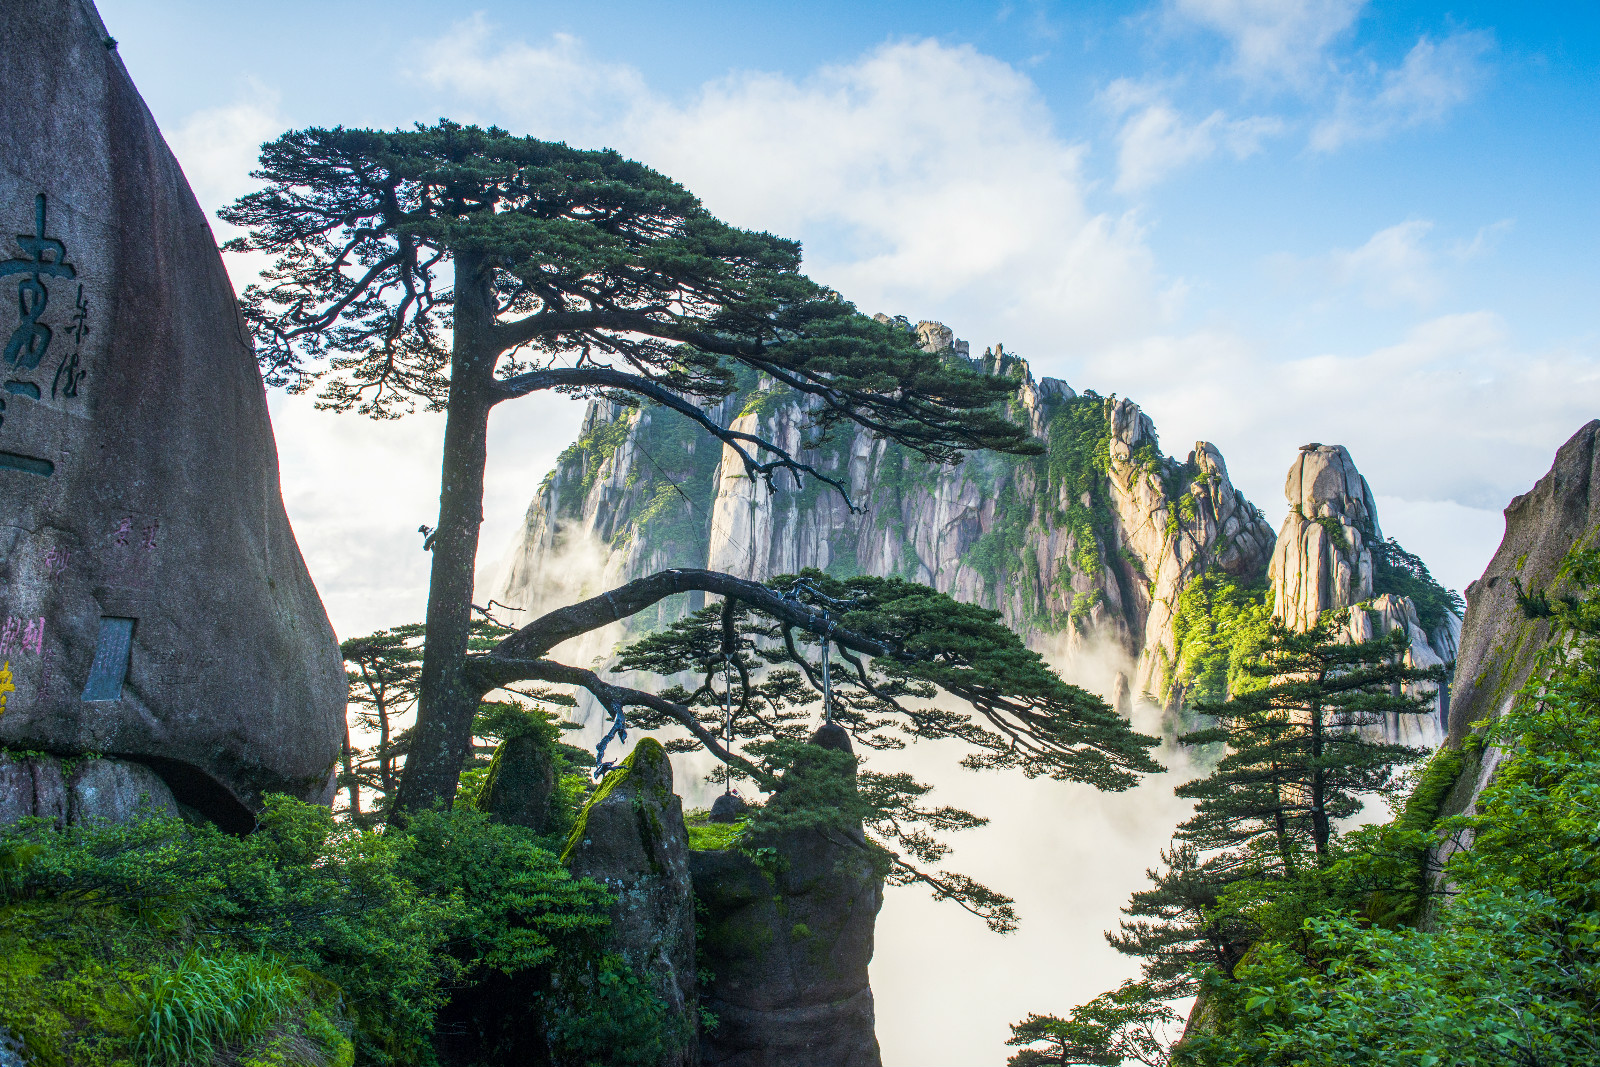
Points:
x=1299 y=750
x=1299 y=757
x=461 y=268
x=382 y=669
x=760 y=674
x=1174 y=927
x=1113 y=1028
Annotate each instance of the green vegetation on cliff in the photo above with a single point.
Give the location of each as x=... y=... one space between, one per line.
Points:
x=1373 y=955
x=1217 y=627
x=1394 y=570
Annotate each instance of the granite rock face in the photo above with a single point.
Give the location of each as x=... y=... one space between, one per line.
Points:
x=1092 y=552
x=1323 y=557
x=631 y=836
x=109 y=789
x=788 y=948
x=1499 y=643
x=1072 y=572
x=155 y=603
x=1323 y=561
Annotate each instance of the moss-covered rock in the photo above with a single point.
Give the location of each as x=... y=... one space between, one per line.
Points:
x=787 y=938
x=520 y=788
x=631 y=836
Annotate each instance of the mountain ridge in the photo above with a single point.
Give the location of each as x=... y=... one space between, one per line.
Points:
x=1100 y=549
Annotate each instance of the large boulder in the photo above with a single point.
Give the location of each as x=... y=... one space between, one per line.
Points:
x=631 y=836
x=82 y=791
x=1499 y=642
x=521 y=783
x=1323 y=562
x=788 y=944
x=155 y=604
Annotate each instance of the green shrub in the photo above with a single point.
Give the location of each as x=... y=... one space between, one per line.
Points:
x=613 y=1021
x=283 y=936
x=1508 y=969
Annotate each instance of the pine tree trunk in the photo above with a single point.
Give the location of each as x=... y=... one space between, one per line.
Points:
x=442 y=737
x=1319 y=783
x=350 y=780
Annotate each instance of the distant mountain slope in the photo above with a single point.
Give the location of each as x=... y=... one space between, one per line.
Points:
x=1140 y=573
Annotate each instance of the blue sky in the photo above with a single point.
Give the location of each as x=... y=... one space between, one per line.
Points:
x=1266 y=221
x=1269 y=222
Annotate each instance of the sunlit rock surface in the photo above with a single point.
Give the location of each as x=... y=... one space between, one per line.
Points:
x=1323 y=562
x=1323 y=557
x=1091 y=551
x=1499 y=642
x=155 y=604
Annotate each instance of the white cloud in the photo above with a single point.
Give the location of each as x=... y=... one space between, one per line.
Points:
x=921 y=176
x=1396 y=266
x=1154 y=139
x=1433 y=79
x=1403 y=265
x=218 y=147
x=557 y=89
x=1455 y=410
x=1276 y=40
x=1393 y=266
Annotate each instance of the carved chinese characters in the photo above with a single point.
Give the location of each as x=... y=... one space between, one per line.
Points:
x=43 y=263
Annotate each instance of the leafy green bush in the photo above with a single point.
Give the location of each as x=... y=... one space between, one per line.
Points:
x=615 y=1022
x=284 y=933
x=1508 y=969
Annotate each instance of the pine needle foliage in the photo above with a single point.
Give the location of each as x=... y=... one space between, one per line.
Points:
x=459 y=268
x=759 y=680
x=1026 y=717
x=1298 y=758
x=1110 y=1030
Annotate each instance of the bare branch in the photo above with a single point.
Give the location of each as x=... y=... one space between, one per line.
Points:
x=544 y=633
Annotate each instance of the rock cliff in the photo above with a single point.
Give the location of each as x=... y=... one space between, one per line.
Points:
x=631 y=837
x=1499 y=642
x=1102 y=551
x=153 y=603
x=787 y=947
x=1331 y=555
